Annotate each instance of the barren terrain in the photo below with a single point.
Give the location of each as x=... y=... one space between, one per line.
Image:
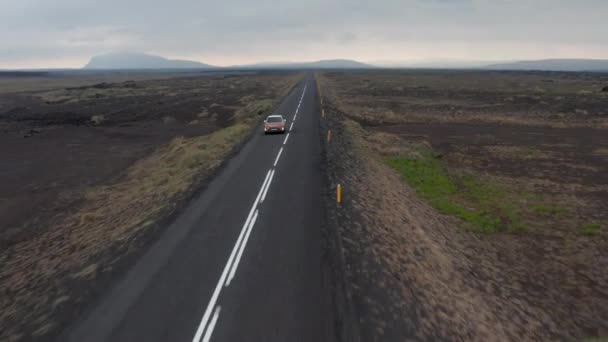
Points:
x=93 y=166
x=475 y=203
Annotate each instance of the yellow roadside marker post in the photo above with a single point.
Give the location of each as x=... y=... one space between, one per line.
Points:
x=328 y=136
x=339 y=194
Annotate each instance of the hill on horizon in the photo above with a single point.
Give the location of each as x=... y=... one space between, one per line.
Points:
x=136 y=60
x=554 y=65
x=320 y=64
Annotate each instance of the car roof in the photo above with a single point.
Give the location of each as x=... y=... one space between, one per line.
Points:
x=275 y=116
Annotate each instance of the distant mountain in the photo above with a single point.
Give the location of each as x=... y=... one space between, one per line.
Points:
x=431 y=64
x=338 y=64
x=554 y=65
x=322 y=64
x=133 y=60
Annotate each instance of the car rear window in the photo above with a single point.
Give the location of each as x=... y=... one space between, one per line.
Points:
x=274 y=119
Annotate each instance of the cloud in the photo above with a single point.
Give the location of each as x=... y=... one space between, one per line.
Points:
x=61 y=32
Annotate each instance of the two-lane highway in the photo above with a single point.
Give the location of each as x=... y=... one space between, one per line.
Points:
x=244 y=260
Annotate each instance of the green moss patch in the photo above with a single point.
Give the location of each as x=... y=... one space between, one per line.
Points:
x=486 y=206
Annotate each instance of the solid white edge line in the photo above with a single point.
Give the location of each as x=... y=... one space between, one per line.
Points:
x=247 y=226
x=218 y=288
x=278 y=156
x=267 y=187
x=291 y=126
x=216 y=293
x=248 y=220
x=216 y=315
x=242 y=249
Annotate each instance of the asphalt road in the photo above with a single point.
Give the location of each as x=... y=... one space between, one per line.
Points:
x=243 y=262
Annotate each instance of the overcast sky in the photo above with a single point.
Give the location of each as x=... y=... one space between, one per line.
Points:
x=66 y=33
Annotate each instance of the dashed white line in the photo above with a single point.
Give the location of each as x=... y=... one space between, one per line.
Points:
x=216 y=293
x=218 y=288
x=300 y=103
x=295 y=115
x=240 y=254
x=278 y=156
x=237 y=251
x=216 y=315
x=267 y=186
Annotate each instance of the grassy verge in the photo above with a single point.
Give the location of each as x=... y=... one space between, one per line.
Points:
x=592 y=229
x=45 y=273
x=485 y=206
x=164 y=175
x=547 y=210
x=152 y=184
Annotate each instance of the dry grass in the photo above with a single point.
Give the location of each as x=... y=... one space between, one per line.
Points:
x=601 y=152
x=11 y=84
x=451 y=283
x=379 y=115
x=557 y=100
x=545 y=282
x=111 y=218
x=171 y=170
x=407 y=255
x=519 y=152
x=482 y=145
x=117 y=90
x=155 y=181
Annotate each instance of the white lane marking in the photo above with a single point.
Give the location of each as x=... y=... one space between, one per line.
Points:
x=278 y=156
x=240 y=246
x=216 y=315
x=251 y=212
x=291 y=126
x=267 y=187
x=218 y=288
x=238 y=257
x=300 y=102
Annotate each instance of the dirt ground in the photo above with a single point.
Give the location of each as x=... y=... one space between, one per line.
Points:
x=90 y=171
x=419 y=274
x=55 y=130
x=531 y=98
